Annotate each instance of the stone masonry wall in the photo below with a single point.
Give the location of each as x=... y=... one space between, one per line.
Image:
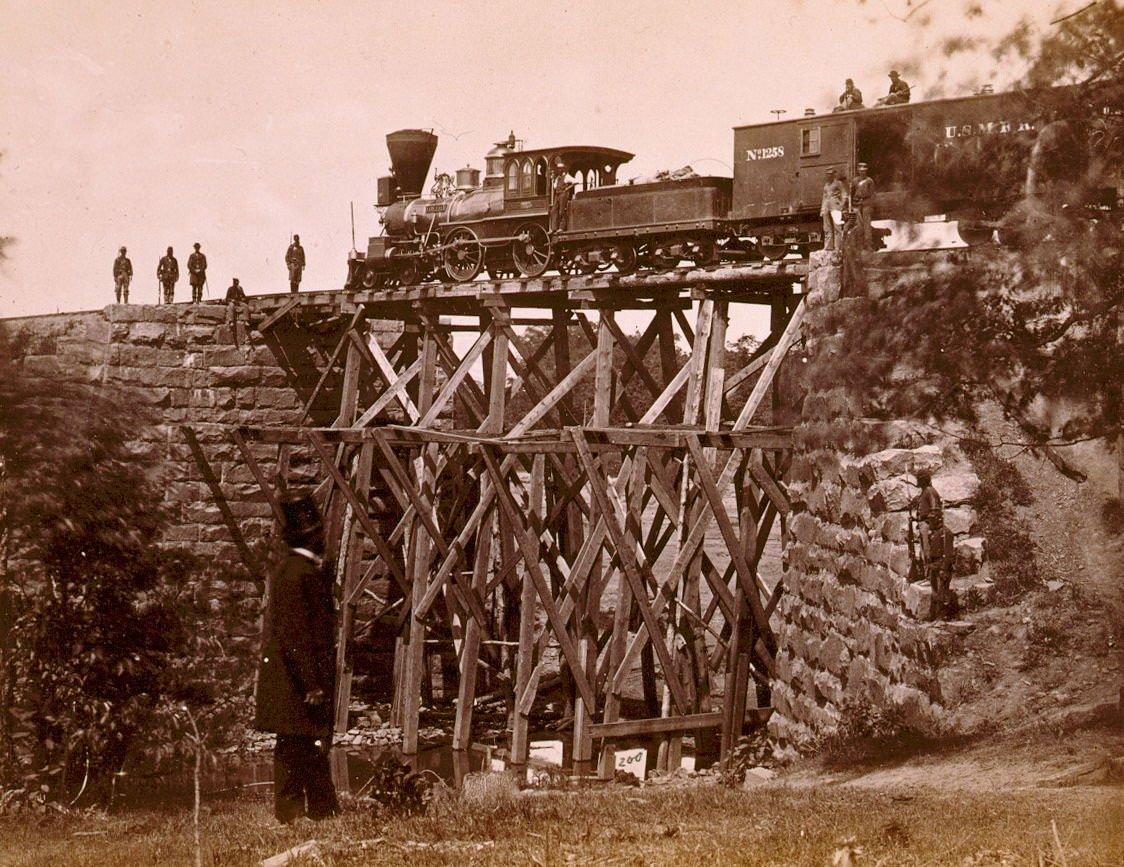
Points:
x=192 y=365
x=854 y=638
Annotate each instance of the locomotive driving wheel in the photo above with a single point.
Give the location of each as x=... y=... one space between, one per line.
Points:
x=704 y=252
x=531 y=250
x=625 y=258
x=464 y=256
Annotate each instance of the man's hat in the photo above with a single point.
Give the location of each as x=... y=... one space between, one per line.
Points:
x=831 y=171
x=169 y=251
x=296 y=237
x=122 y=249
x=300 y=518
x=863 y=165
x=924 y=479
x=893 y=73
x=236 y=280
x=196 y=245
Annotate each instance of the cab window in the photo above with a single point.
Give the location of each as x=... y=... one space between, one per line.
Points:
x=810 y=141
x=513 y=177
x=541 y=176
x=527 y=181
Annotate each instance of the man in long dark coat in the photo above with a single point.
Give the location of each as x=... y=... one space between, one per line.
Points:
x=168 y=272
x=296 y=673
x=294 y=261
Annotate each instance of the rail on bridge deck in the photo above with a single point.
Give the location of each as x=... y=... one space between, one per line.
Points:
x=539 y=514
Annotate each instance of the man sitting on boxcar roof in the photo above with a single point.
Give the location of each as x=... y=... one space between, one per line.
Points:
x=899 y=90
x=850 y=98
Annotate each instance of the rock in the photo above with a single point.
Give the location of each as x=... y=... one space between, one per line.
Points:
x=903 y=462
x=957 y=487
x=757 y=776
x=893 y=494
x=969 y=554
x=147 y=333
x=1054 y=586
x=960 y=521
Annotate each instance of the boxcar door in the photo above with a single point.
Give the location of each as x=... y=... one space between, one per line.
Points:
x=822 y=143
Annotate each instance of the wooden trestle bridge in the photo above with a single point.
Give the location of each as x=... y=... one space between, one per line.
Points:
x=555 y=545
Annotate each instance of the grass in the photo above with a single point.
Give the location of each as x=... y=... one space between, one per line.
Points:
x=702 y=825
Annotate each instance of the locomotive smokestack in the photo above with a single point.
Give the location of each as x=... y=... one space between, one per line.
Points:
x=411 y=152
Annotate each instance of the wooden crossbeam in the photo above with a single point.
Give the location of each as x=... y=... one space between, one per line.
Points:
x=271 y=320
x=667 y=724
x=624 y=546
x=530 y=559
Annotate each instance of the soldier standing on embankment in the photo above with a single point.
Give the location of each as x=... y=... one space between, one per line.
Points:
x=862 y=194
x=294 y=260
x=834 y=199
x=297 y=670
x=936 y=548
x=197 y=274
x=168 y=272
x=122 y=275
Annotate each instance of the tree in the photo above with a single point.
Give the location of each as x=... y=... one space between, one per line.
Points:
x=104 y=634
x=1035 y=327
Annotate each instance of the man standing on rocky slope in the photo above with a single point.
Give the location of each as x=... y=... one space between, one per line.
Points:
x=936 y=548
x=297 y=668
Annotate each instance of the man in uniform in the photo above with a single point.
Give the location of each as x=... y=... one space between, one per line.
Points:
x=122 y=275
x=297 y=669
x=235 y=294
x=294 y=259
x=936 y=548
x=862 y=194
x=563 y=191
x=834 y=199
x=197 y=274
x=899 y=90
x=851 y=98
x=168 y=272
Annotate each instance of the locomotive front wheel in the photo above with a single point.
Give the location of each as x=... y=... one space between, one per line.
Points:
x=465 y=257
x=531 y=250
x=409 y=272
x=373 y=279
x=625 y=258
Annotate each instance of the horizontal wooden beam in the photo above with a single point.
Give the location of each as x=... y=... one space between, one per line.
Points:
x=544 y=441
x=663 y=725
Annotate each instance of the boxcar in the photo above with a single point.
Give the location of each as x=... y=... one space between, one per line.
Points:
x=780 y=167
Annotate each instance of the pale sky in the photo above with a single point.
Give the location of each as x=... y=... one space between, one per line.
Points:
x=236 y=123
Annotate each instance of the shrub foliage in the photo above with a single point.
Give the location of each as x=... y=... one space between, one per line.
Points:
x=105 y=636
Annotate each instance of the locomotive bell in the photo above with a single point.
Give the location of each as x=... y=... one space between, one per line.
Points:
x=468 y=178
x=411 y=152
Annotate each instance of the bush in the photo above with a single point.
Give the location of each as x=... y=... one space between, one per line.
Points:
x=104 y=635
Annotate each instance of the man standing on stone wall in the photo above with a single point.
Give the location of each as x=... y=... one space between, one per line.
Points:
x=122 y=276
x=168 y=272
x=197 y=274
x=294 y=260
x=297 y=670
x=862 y=196
x=834 y=199
x=936 y=548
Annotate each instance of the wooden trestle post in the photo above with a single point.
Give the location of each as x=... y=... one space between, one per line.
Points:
x=556 y=548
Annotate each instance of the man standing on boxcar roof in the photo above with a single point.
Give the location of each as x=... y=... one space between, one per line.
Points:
x=297 y=670
x=122 y=275
x=168 y=272
x=862 y=195
x=294 y=260
x=834 y=199
x=197 y=274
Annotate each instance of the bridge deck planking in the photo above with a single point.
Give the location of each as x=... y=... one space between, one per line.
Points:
x=757 y=284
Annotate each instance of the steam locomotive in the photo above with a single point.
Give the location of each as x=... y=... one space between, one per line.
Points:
x=523 y=219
